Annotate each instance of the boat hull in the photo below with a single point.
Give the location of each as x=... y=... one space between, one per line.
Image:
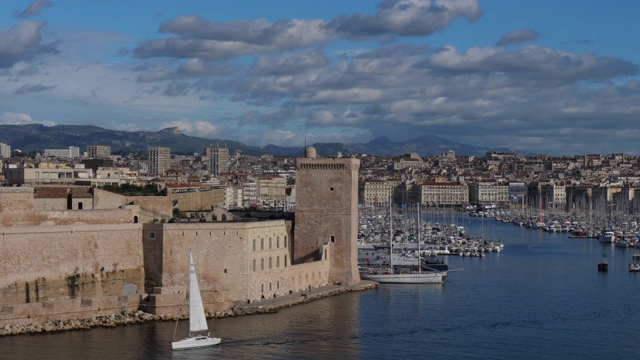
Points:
x=413 y=278
x=195 y=342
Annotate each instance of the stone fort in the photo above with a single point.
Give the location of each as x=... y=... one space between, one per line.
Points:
x=81 y=252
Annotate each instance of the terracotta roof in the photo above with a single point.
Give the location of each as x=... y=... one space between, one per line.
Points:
x=62 y=192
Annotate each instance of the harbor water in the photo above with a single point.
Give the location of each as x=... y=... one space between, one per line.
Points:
x=540 y=298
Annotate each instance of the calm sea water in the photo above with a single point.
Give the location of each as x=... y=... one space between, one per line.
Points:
x=541 y=298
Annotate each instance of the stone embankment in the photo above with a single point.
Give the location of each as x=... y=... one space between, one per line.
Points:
x=125 y=318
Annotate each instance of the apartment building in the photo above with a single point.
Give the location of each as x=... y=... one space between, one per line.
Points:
x=71 y=152
x=443 y=193
x=99 y=151
x=218 y=160
x=488 y=192
x=5 y=150
x=159 y=160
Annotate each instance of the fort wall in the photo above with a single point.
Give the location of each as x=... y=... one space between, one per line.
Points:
x=17 y=209
x=63 y=264
x=108 y=200
x=198 y=200
x=236 y=262
x=51 y=252
x=43 y=268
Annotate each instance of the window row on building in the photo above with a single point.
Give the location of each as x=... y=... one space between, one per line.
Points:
x=270 y=263
x=270 y=244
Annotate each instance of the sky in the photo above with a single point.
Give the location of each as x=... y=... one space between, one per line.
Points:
x=545 y=76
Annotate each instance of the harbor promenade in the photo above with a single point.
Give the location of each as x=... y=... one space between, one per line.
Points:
x=300 y=297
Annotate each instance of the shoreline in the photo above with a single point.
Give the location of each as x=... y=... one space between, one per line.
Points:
x=126 y=318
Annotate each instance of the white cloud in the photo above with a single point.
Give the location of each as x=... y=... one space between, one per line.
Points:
x=199 y=128
x=10 y=118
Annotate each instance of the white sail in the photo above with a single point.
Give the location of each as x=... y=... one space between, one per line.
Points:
x=197 y=319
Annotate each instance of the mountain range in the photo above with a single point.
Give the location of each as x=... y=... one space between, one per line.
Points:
x=37 y=137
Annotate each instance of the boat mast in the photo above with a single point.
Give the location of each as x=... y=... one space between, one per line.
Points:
x=390 y=233
x=419 y=251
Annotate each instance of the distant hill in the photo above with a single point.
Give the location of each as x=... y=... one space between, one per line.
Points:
x=425 y=145
x=37 y=137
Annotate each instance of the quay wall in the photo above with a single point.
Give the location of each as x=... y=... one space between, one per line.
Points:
x=65 y=309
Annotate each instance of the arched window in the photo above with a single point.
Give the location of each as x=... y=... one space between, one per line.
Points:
x=270 y=262
x=278 y=242
x=269 y=243
x=254 y=265
x=278 y=261
x=285 y=260
x=254 y=244
x=261 y=264
x=261 y=244
x=285 y=241
x=224 y=217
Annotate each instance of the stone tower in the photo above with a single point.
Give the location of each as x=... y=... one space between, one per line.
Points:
x=327 y=212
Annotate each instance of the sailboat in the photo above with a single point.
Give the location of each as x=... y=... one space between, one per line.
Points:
x=392 y=275
x=197 y=319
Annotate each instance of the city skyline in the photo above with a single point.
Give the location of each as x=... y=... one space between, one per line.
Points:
x=540 y=77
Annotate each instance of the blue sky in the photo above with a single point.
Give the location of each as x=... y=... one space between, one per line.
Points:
x=555 y=77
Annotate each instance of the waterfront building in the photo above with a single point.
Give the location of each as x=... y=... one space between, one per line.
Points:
x=71 y=152
x=579 y=197
x=378 y=192
x=443 y=193
x=375 y=192
x=559 y=195
x=159 y=160
x=488 y=192
x=517 y=194
x=547 y=195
